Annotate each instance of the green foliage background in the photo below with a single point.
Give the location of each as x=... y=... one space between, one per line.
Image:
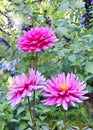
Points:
x=72 y=53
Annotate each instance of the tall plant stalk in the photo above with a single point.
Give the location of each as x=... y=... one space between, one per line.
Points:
x=64 y=119
x=35 y=67
x=31 y=114
x=34 y=98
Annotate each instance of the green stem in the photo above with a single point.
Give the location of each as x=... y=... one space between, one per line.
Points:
x=35 y=67
x=64 y=119
x=34 y=105
x=34 y=98
x=30 y=111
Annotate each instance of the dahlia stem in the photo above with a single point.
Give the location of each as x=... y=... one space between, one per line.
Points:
x=64 y=119
x=35 y=67
x=30 y=111
x=34 y=105
x=34 y=102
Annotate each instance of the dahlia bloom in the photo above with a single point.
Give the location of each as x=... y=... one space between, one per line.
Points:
x=37 y=39
x=23 y=86
x=64 y=90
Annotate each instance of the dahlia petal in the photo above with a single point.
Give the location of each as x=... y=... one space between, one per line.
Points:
x=10 y=96
x=72 y=103
x=50 y=90
x=59 y=101
x=47 y=95
x=18 y=98
x=50 y=83
x=84 y=98
x=68 y=78
x=82 y=87
x=72 y=77
x=65 y=104
x=76 y=99
x=37 y=87
x=67 y=99
x=24 y=78
x=13 y=105
x=80 y=93
x=55 y=81
x=17 y=80
x=24 y=94
x=63 y=78
x=50 y=101
x=11 y=87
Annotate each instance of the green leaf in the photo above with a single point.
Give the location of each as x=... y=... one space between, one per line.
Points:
x=23 y=126
x=20 y=110
x=61 y=31
x=14 y=120
x=65 y=6
x=89 y=67
x=45 y=128
x=72 y=58
x=73 y=27
x=79 y=4
x=2 y=124
x=61 y=53
x=42 y=118
x=79 y=124
x=40 y=18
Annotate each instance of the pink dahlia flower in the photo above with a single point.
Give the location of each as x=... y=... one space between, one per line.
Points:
x=37 y=39
x=64 y=90
x=23 y=86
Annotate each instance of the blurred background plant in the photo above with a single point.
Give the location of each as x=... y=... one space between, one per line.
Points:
x=72 y=53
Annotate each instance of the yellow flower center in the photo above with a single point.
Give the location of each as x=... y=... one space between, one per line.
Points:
x=63 y=86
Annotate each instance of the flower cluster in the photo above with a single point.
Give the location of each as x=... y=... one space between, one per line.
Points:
x=63 y=90
x=23 y=86
x=88 y=15
x=7 y=66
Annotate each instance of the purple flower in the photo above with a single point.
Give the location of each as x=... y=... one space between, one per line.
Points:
x=49 y=22
x=91 y=1
x=1 y=41
x=83 y=23
x=39 y=1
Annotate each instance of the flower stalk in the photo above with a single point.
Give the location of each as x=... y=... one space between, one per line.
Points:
x=34 y=104
x=31 y=113
x=64 y=119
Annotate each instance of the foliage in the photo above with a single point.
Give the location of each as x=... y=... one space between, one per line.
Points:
x=72 y=53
